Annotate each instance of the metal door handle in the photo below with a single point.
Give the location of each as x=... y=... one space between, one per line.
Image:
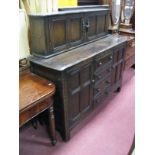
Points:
x=87 y=24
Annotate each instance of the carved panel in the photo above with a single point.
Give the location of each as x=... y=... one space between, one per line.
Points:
x=57 y=34
x=75 y=30
x=91 y=24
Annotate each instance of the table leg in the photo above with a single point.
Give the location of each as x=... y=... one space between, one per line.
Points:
x=52 y=126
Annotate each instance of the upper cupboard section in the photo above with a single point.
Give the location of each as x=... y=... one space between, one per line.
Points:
x=52 y=34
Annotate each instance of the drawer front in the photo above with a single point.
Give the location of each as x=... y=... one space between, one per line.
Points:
x=103 y=74
x=98 y=98
x=101 y=86
x=103 y=61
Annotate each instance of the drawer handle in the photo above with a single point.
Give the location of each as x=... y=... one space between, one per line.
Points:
x=98 y=89
x=107 y=82
x=100 y=63
x=110 y=57
x=93 y=81
x=87 y=24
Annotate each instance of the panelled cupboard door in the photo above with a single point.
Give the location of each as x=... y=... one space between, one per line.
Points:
x=58 y=33
x=96 y=24
x=91 y=25
x=118 y=63
x=102 y=23
x=80 y=93
x=76 y=30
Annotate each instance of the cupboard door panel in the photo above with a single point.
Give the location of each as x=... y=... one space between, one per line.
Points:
x=86 y=92
x=102 y=23
x=74 y=96
x=91 y=26
x=58 y=33
x=75 y=30
x=74 y=106
x=80 y=93
x=85 y=98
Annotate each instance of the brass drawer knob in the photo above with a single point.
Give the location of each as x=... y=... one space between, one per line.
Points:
x=98 y=89
x=93 y=81
x=107 y=82
x=100 y=63
x=110 y=57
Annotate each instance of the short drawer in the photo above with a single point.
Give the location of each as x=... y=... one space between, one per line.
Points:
x=103 y=74
x=101 y=86
x=100 y=97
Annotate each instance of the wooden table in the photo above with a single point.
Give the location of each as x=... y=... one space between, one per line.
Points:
x=35 y=96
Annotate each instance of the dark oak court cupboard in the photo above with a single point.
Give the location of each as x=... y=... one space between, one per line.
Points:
x=84 y=75
x=52 y=34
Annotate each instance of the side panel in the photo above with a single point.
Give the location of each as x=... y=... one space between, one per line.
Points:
x=38 y=36
x=118 y=65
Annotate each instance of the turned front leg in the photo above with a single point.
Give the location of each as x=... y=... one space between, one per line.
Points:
x=52 y=126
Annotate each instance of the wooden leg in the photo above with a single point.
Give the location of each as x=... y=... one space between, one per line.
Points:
x=118 y=89
x=133 y=66
x=34 y=123
x=52 y=126
x=65 y=136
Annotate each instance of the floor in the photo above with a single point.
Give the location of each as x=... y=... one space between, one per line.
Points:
x=108 y=130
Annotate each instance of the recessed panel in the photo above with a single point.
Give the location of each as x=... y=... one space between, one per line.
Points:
x=75 y=30
x=92 y=25
x=100 y=24
x=59 y=33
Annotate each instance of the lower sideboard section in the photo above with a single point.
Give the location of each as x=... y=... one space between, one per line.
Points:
x=81 y=87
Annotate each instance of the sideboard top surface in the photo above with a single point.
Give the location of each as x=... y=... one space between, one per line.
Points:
x=71 y=11
x=65 y=60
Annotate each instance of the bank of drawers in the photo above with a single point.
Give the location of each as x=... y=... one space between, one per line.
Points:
x=102 y=76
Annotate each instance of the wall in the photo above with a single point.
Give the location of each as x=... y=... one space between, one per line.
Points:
x=67 y=3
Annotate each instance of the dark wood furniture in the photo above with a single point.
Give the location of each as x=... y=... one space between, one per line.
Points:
x=130 y=52
x=88 y=2
x=36 y=96
x=83 y=76
x=52 y=34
